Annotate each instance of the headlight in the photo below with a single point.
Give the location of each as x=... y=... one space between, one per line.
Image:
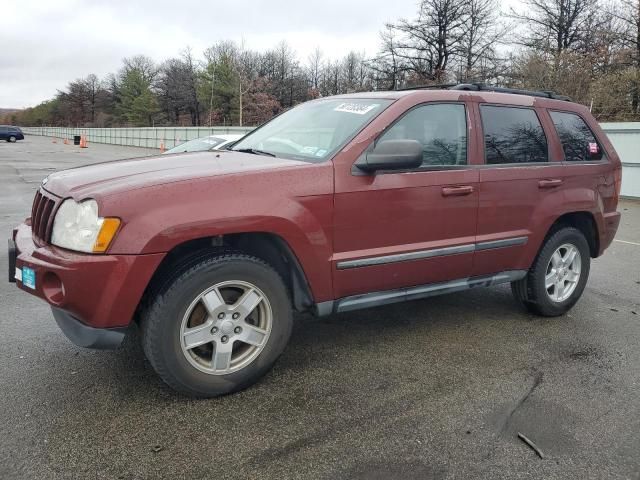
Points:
x=78 y=227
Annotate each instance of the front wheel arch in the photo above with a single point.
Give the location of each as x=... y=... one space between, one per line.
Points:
x=268 y=247
x=163 y=322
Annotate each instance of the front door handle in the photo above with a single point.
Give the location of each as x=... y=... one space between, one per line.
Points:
x=550 y=183
x=460 y=190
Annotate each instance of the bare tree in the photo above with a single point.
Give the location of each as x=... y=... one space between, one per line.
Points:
x=556 y=25
x=314 y=67
x=629 y=15
x=433 y=39
x=141 y=64
x=191 y=86
x=387 y=66
x=482 y=35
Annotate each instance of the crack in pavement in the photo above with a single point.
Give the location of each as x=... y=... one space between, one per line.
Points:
x=537 y=380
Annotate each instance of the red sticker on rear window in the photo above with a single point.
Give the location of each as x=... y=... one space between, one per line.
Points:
x=593 y=147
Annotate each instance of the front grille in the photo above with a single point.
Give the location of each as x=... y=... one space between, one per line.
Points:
x=42 y=213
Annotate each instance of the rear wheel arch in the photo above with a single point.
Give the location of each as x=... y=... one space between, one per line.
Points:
x=533 y=291
x=585 y=222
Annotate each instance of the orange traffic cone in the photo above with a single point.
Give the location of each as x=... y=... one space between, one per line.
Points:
x=162 y=149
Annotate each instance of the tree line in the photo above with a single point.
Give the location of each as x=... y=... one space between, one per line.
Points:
x=586 y=49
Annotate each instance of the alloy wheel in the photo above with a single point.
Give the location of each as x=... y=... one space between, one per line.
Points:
x=226 y=327
x=563 y=272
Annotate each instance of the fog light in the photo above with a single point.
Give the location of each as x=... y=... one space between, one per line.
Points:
x=53 y=288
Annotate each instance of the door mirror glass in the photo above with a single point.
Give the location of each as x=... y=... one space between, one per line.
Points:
x=392 y=155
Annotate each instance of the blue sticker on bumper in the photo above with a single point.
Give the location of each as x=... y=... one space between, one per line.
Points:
x=29 y=277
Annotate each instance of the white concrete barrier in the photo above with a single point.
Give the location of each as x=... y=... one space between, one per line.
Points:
x=150 y=137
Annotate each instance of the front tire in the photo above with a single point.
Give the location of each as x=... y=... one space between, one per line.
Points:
x=12 y=139
x=218 y=326
x=558 y=276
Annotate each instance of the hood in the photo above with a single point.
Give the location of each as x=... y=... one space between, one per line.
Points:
x=109 y=178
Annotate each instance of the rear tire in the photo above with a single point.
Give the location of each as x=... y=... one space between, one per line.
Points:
x=558 y=276
x=218 y=325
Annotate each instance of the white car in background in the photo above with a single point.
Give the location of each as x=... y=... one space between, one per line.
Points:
x=212 y=142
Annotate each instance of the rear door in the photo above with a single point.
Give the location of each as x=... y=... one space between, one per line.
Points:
x=520 y=173
x=403 y=228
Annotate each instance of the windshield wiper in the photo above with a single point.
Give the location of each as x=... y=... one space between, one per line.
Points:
x=254 y=151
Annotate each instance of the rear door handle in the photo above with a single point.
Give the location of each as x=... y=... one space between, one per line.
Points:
x=461 y=190
x=550 y=183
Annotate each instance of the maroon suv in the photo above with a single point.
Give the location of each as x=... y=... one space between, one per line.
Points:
x=340 y=203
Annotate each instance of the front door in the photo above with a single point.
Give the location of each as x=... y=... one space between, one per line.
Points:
x=396 y=229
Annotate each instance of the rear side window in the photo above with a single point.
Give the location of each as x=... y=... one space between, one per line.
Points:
x=578 y=141
x=513 y=135
x=440 y=128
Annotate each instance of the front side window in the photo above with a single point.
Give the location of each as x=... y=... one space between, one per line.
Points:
x=440 y=128
x=578 y=142
x=512 y=135
x=314 y=130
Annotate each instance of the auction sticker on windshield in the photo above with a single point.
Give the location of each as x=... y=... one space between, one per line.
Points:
x=359 y=108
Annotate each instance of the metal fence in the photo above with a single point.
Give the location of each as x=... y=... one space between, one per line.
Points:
x=625 y=137
x=150 y=137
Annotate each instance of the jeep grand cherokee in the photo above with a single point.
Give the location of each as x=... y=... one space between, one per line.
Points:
x=341 y=203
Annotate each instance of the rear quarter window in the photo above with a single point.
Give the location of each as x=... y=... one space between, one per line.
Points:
x=512 y=135
x=578 y=141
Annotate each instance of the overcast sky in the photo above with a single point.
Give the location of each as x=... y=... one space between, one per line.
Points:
x=47 y=43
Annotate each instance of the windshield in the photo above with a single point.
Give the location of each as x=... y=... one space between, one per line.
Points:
x=197 y=145
x=314 y=130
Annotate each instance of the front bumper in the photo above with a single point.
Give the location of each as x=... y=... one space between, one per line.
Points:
x=86 y=336
x=94 y=297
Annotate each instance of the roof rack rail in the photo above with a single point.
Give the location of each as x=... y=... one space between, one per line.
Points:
x=427 y=87
x=477 y=87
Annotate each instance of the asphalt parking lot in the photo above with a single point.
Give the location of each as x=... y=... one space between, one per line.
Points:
x=437 y=388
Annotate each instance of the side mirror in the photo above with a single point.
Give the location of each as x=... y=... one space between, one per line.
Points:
x=392 y=155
